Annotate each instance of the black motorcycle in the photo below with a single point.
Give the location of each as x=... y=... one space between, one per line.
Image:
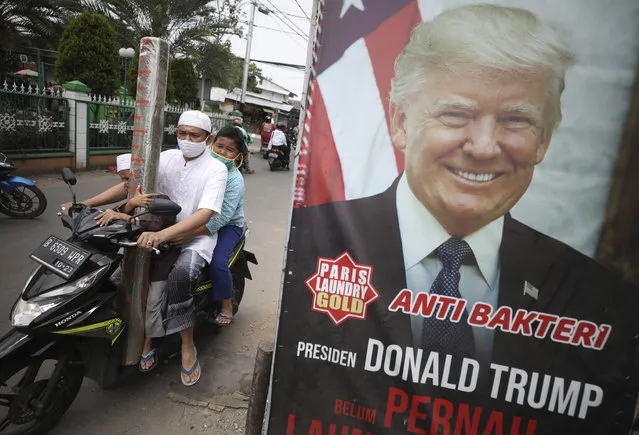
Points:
x=67 y=323
x=278 y=158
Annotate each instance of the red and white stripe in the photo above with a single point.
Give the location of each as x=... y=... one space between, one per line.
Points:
x=346 y=150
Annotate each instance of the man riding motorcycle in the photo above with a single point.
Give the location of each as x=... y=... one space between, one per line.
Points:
x=278 y=140
x=196 y=181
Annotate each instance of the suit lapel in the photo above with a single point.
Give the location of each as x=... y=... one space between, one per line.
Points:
x=527 y=281
x=514 y=256
x=383 y=248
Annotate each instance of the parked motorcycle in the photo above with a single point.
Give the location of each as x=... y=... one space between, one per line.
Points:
x=66 y=324
x=19 y=197
x=278 y=158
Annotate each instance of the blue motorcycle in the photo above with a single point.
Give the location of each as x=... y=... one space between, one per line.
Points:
x=19 y=197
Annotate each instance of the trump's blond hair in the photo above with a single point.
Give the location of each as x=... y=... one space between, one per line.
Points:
x=483 y=36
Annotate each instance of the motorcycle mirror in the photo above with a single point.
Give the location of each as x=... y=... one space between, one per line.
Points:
x=68 y=176
x=164 y=207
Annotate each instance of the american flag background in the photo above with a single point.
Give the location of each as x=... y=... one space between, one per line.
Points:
x=346 y=150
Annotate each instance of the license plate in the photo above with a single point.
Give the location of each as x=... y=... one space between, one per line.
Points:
x=274 y=155
x=60 y=256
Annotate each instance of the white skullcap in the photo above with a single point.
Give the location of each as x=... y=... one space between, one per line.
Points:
x=195 y=118
x=124 y=162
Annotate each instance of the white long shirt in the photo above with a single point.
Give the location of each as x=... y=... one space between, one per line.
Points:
x=196 y=184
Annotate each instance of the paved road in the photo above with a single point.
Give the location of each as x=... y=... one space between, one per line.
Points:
x=142 y=405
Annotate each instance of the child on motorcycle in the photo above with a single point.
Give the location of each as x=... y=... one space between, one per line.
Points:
x=228 y=147
x=123 y=166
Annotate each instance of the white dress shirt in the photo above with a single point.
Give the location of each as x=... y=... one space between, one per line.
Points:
x=421 y=234
x=278 y=138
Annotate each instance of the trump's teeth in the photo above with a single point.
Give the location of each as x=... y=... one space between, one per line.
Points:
x=474 y=176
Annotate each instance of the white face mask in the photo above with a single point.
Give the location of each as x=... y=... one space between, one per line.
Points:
x=191 y=149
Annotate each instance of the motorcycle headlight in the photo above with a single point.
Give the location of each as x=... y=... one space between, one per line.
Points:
x=25 y=312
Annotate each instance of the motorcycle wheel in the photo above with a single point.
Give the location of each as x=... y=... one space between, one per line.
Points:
x=25 y=380
x=271 y=163
x=25 y=202
x=238 y=292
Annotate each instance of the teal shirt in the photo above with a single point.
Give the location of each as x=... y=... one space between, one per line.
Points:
x=232 y=212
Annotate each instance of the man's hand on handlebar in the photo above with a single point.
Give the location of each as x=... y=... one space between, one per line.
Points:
x=150 y=240
x=64 y=208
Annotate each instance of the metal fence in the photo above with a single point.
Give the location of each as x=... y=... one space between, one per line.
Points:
x=109 y=124
x=32 y=120
x=218 y=120
x=36 y=121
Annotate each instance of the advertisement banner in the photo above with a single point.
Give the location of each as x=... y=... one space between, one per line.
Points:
x=454 y=175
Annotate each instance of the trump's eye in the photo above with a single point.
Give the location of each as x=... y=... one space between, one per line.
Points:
x=454 y=119
x=515 y=121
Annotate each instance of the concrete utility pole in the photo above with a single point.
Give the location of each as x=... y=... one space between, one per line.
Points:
x=247 y=55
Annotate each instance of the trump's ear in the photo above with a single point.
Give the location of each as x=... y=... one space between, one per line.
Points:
x=398 y=126
x=542 y=149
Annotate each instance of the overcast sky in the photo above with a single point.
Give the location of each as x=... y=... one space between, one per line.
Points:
x=281 y=44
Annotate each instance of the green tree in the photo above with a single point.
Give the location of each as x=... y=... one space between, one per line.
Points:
x=184 y=80
x=88 y=51
x=185 y=24
x=255 y=77
x=217 y=63
x=31 y=23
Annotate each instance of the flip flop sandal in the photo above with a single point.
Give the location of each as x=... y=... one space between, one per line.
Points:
x=145 y=359
x=223 y=316
x=189 y=372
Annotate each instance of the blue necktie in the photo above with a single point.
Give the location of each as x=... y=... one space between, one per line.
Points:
x=455 y=338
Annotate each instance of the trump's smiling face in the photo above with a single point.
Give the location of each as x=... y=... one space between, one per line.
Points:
x=471 y=143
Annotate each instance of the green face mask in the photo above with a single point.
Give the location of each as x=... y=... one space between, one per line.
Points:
x=230 y=163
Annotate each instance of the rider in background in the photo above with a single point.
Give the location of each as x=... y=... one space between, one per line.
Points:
x=266 y=130
x=278 y=139
x=237 y=123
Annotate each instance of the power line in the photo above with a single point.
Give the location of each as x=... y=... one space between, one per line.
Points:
x=270 y=28
x=282 y=14
x=290 y=13
x=302 y=9
x=286 y=17
x=281 y=64
x=287 y=25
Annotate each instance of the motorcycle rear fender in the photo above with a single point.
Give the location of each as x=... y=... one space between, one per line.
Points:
x=241 y=268
x=250 y=257
x=13 y=181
